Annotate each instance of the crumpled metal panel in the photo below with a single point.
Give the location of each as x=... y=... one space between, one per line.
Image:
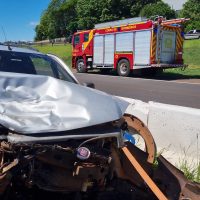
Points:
x=36 y=104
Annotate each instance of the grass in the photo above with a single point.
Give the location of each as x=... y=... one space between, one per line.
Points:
x=63 y=51
x=191 y=58
x=190 y=168
x=191 y=53
x=191 y=172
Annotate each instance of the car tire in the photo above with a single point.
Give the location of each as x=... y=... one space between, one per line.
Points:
x=80 y=66
x=123 y=68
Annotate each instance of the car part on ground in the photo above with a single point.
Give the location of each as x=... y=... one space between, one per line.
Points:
x=58 y=167
x=83 y=150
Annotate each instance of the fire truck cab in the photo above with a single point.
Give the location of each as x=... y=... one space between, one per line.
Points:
x=126 y=45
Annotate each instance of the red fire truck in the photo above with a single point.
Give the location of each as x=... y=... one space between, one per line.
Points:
x=126 y=45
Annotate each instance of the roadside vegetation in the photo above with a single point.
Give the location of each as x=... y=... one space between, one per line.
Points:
x=190 y=171
x=191 y=58
x=62 y=51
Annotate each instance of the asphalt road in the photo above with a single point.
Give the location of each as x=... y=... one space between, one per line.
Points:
x=170 y=92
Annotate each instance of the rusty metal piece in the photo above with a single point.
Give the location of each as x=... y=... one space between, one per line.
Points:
x=123 y=168
x=2 y=158
x=86 y=185
x=117 y=164
x=4 y=182
x=5 y=178
x=144 y=175
x=5 y=168
x=187 y=189
x=135 y=124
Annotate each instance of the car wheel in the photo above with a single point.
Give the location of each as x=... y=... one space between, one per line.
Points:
x=80 y=66
x=123 y=68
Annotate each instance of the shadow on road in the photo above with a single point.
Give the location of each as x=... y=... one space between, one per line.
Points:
x=168 y=76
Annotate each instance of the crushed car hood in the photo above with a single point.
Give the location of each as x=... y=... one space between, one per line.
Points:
x=37 y=104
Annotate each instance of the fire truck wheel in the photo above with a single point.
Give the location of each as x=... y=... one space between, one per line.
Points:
x=123 y=67
x=80 y=66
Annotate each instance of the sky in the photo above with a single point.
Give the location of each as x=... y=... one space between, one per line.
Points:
x=18 y=18
x=175 y=4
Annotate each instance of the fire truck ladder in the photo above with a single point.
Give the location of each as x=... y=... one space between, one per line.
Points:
x=174 y=21
x=120 y=22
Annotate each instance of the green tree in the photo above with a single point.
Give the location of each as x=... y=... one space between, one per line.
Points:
x=42 y=28
x=90 y=12
x=137 y=5
x=68 y=17
x=50 y=22
x=191 y=9
x=64 y=17
x=159 y=8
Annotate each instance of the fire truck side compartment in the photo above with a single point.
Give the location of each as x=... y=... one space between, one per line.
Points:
x=137 y=43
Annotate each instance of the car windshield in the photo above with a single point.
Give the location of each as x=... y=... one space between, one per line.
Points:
x=30 y=63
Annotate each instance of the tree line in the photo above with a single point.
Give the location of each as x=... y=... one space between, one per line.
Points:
x=64 y=17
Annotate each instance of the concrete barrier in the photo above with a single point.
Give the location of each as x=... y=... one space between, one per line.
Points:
x=176 y=129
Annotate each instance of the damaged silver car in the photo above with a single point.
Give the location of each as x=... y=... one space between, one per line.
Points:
x=59 y=138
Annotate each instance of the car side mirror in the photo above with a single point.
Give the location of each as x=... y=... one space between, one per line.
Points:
x=90 y=85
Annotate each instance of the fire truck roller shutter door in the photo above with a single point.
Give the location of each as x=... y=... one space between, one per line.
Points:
x=109 y=49
x=98 y=49
x=168 y=46
x=124 y=42
x=142 y=48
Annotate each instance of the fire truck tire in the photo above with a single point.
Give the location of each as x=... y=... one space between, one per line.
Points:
x=80 y=66
x=123 y=67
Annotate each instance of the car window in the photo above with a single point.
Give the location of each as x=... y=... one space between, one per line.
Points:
x=61 y=73
x=16 y=62
x=76 y=39
x=86 y=37
x=45 y=65
x=30 y=63
x=42 y=67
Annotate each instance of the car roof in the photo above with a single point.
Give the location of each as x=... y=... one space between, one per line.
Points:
x=18 y=49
